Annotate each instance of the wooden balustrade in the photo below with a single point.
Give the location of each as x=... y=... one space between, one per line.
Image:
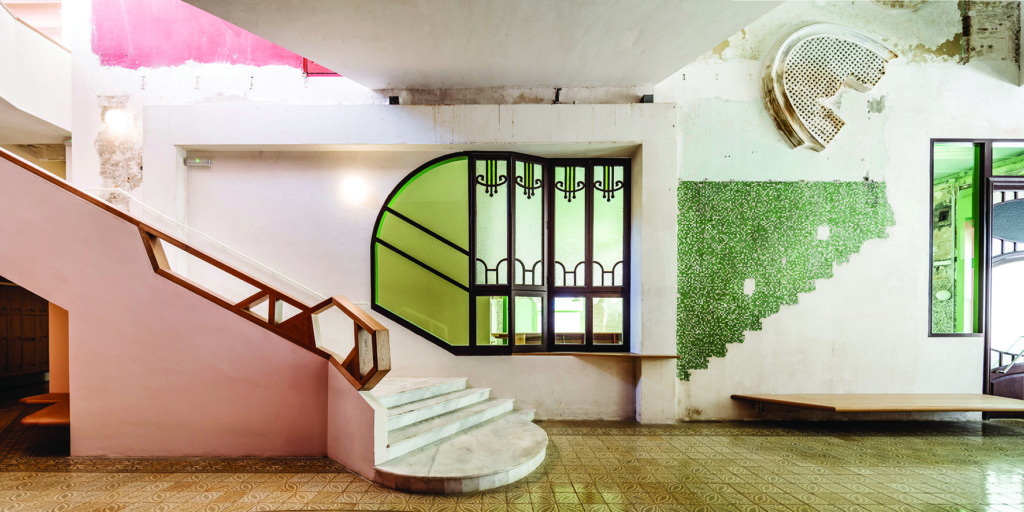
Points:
x=367 y=363
x=370 y=358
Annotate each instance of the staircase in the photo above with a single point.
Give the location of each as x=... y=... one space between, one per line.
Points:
x=445 y=437
x=426 y=435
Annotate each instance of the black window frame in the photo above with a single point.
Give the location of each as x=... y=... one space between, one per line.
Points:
x=548 y=292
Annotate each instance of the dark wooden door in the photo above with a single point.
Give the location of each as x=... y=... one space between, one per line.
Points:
x=24 y=332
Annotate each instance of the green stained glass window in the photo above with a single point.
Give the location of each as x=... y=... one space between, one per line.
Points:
x=491 y=182
x=407 y=238
x=529 y=224
x=437 y=198
x=570 y=226
x=490 y=253
x=609 y=207
x=421 y=298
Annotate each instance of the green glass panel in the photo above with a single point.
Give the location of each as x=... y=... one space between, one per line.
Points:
x=956 y=173
x=491 y=320
x=529 y=320
x=609 y=206
x=1008 y=159
x=570 y=226
x=491 y=182
x=607 y=320
x=570 y=320
x=416 y=243
x=421 y=298
x=529 y=225
x=438 y=199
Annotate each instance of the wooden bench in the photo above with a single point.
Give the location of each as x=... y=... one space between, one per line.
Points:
x=883 y=402
x=58 y=413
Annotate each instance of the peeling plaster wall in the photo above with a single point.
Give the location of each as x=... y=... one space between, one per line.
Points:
x=863 y=330
x=110 y=159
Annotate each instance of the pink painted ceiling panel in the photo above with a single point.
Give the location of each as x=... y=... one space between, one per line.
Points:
x=159 y=33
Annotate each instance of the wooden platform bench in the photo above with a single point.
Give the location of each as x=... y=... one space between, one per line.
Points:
x=58 y=413
x=883 y=402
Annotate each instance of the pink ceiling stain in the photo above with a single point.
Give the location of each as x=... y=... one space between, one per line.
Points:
x=159 y=33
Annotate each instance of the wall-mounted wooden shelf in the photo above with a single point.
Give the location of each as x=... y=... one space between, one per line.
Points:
x=632 y=355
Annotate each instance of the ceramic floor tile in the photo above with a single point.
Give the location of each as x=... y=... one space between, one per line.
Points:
x=599 y=466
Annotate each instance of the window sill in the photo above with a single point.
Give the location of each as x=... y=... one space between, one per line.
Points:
x=632 y=355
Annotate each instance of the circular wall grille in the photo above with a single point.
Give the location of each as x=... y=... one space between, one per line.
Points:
x=811 y=66
x=816 y=69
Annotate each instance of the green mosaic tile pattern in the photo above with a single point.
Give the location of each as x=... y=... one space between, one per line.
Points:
x=771 y=232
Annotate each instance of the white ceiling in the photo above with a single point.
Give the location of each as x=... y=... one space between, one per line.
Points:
x=18 y=127
x=428 y=44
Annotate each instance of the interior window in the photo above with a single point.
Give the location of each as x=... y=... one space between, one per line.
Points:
x=533 y=250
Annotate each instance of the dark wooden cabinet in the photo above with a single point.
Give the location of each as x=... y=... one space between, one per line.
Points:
x=24 y=332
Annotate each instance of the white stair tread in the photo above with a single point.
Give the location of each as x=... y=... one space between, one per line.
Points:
x=393 y=392
x=444 y=420
x=439 y=399
x=502 y=445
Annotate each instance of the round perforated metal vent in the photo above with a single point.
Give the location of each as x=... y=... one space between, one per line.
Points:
x=816 y=69
x=807 y=69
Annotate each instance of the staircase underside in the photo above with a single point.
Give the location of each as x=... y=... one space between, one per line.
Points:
x=473 y=44
x=446 y=438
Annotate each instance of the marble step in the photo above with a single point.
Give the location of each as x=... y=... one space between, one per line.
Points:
x=406 y=439
x=393 y=392
x=420 y=410
x=491 y=454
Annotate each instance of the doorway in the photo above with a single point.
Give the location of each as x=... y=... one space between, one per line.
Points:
x=1005 y=339
x=24 y=339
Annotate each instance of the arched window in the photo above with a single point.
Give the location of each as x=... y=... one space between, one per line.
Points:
x=494 y=253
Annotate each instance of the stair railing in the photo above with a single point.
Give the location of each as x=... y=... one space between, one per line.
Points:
x=370 y=358
x=295 y=320
x=1009 y=351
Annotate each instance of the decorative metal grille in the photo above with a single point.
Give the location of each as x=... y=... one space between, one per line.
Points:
x=812 y=65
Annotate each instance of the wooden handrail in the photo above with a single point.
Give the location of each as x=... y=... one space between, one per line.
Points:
x=34 y=29
x=367 y=363
x=370 y=358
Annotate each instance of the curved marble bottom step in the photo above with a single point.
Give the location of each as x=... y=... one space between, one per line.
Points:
x=490 y=455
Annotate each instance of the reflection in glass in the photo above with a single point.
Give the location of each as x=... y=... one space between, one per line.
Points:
x=607 y=320
x=1008 y=158
x=529 y=321
x=491 y=181
x=956 y=172
x=1007 y=327
x=570 y=320
x=491 y=320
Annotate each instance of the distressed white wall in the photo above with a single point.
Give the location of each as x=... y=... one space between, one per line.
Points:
x=285 y=208
x=191 y=83
x=864 y=330
x=861 y=331
x=35 y=85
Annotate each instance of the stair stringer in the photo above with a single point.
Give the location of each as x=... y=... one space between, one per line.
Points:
x=156 y=370
x=357 y=426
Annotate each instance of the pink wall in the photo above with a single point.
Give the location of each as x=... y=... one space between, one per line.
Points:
x=157 y=33
x=154 y=369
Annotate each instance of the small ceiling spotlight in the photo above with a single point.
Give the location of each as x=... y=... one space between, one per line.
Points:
x=117 y=120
